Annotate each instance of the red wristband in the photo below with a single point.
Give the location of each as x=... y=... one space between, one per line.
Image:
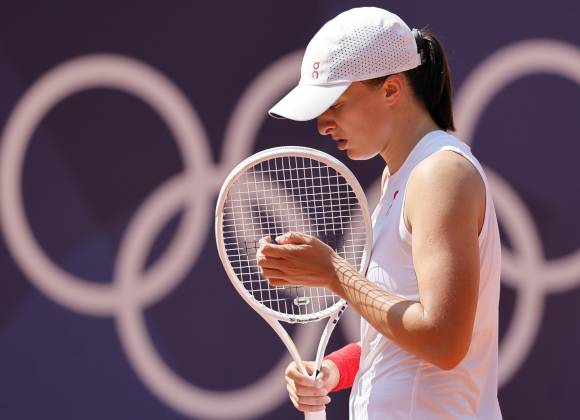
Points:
x=347 y=359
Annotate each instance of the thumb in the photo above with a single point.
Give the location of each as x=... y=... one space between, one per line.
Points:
x=293 y=238
x=310 y=365
x=265 y=240
x=329 y=374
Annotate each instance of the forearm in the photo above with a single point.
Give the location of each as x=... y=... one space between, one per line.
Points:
x=403 y=321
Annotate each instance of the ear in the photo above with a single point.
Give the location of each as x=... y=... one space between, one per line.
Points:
x=392 y=88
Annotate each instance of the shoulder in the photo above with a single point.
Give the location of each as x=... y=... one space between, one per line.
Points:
x=446 y=168
x=446 y=181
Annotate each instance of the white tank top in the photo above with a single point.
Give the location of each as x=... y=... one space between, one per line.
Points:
x=393 y=383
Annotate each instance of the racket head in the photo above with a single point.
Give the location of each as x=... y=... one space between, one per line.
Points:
x=266 y=195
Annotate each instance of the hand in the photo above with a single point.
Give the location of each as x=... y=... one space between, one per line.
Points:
x=307 y=394
x=297 y=259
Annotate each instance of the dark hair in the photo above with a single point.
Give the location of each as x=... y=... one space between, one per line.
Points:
x=431 y=81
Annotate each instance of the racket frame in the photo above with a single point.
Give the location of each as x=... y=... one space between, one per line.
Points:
x=274 y=318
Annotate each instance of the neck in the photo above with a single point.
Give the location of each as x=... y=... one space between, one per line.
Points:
x=406 y=135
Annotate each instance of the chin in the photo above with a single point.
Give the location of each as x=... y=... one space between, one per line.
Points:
x=359 y=155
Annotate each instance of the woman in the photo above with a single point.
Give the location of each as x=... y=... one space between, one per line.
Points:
x=429 y=301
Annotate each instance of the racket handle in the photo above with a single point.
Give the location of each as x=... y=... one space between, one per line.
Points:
x=316 y=415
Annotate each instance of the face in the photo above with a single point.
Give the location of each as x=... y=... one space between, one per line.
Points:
x=360 y=120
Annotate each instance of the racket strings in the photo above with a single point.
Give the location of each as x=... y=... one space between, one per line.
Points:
x=283 y=194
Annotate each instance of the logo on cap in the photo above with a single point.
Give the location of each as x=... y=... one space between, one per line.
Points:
x=315 y=67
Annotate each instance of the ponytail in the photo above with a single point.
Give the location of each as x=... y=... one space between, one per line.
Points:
x=431 y=81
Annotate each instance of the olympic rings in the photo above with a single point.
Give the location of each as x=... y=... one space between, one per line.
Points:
x=133 y=289
x=64 y=80
x=526 y=269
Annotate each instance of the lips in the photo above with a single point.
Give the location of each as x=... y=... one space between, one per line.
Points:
x=341 y=144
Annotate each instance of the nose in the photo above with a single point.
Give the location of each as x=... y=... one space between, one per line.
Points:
x=325 y=124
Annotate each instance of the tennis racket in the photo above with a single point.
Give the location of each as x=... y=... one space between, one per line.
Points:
x=298 y=189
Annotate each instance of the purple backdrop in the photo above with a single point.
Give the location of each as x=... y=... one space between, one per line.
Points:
x=105 y=179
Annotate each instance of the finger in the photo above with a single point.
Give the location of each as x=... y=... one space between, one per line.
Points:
x=293 y=399
x=275 y=281
x=278 y=282
x=261 y=243
x=292 y=372
x=316 y=401
x=291 y=367
x=296 y=404
x=264 y=240
x=271 y=262
x=309 y=367
x=265 y=244
x=271 y=273
x=318 y=380
x=310 y=408
x=293 y=238
x=305 y=406
x=298 y=378
x=273 y=250
x=303 y=403
x=311 y=391
x=283 y=251
x=323 y=374
x=292 y=392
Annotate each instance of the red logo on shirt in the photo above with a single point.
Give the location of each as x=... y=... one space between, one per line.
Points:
x=391 y=205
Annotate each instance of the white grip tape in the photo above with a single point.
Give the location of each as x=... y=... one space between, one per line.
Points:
x=317 y=415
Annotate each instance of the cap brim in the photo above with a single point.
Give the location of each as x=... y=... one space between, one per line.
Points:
x=306 y=102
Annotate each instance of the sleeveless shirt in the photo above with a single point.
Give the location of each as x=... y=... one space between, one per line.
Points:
x=393 y=383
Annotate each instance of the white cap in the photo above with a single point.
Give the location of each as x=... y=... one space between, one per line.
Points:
x=359 y=44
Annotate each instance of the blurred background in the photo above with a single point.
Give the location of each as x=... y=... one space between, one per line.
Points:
x=120 y=120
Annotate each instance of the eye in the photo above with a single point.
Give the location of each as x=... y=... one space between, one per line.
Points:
x=336 y=106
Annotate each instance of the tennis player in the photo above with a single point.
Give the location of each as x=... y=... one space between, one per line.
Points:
x=429 y=301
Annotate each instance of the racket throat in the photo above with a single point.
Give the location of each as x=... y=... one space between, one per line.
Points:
x=288 y=342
